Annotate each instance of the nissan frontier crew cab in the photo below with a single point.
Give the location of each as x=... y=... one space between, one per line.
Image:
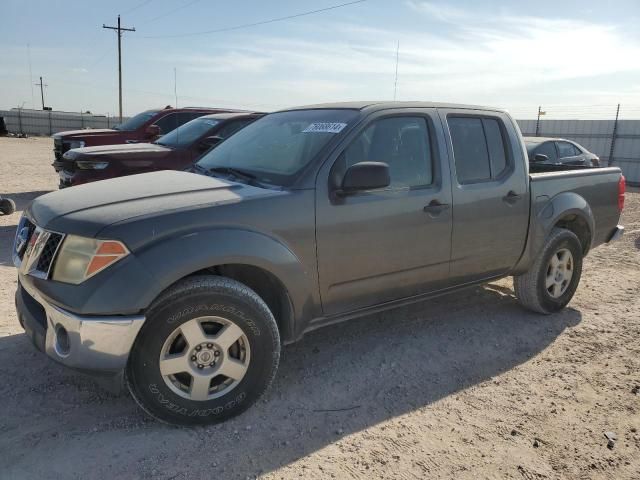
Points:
x=185 y=285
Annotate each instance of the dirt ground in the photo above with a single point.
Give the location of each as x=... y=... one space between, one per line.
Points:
x=468 y=386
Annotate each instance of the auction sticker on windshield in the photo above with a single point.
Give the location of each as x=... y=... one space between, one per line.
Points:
x=325 y=127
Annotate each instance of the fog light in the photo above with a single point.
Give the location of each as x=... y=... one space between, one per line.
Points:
x=62 y=341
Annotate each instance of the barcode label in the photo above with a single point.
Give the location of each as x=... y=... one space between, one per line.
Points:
x=325 y=127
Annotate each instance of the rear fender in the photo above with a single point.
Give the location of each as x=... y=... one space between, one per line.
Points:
x=546 y=214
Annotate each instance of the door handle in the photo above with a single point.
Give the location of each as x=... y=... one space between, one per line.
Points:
x=435 y=208
x=511 y=197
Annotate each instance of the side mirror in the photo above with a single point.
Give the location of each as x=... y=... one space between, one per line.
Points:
x=540 y=158
x=365 y=176
x=153 y=131
x=209 y=142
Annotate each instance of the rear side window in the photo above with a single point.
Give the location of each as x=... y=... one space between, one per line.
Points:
x=478 y=148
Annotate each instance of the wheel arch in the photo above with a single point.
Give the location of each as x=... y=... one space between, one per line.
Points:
x=566 y=210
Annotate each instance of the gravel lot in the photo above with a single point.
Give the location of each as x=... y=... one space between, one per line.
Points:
x=466 y=386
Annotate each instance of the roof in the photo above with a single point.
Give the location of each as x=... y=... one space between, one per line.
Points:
x=229 y=115
x=385 y=105
x=539 y=140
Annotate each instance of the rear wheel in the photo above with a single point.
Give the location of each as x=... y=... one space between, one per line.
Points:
x=553 y=278
x=208 y=350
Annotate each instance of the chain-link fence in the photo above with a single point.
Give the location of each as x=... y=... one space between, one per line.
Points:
x=46 y=122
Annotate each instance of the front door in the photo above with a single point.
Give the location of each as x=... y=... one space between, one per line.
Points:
x=383 y=245
x=490 y=194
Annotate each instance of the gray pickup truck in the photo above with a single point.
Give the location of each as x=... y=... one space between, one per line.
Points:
x=185 y=284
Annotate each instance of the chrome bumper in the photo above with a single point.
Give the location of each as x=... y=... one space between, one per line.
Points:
x=97 y=344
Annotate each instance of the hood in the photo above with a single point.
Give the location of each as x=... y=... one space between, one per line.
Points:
x=85 y=133
x=121 y=149
x=87 y=209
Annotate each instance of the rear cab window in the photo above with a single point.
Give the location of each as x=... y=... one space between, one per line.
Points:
x=479 y=148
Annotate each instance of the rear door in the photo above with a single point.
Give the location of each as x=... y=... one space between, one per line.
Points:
x=382 y=245
x=490 y=193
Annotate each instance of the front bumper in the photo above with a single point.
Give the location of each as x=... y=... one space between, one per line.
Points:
x=92 y=344
x=617 y=234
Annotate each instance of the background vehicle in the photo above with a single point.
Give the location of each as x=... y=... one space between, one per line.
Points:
x=306 y=217
x=143 y=127
x=559 y=151
x=176 y=150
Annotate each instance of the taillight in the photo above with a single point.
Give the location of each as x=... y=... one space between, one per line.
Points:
x=622 y=185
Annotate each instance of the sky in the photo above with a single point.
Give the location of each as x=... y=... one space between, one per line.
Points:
x=577 y=59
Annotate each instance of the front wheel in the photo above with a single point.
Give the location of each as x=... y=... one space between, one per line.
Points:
x=208 y=350
x=552 y=280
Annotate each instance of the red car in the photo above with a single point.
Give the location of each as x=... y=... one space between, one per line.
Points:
x=143 y=127
x=176 y=150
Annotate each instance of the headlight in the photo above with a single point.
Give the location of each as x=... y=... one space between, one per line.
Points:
x=76 y=144
x=91 y=164
x=81 y=258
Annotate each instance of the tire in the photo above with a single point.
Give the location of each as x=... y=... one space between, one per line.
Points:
x=532 y=288
x=7 y=206
x=221 y=310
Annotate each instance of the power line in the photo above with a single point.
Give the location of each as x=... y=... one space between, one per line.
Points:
x=142 y=4
x=172 y=11
x=254 y=24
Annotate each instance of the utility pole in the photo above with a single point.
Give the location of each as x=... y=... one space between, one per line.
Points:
x=540 y=112
x=120 y=30
x=42 y=85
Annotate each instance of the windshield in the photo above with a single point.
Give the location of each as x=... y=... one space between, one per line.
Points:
x=187 y=134
x=278 y=146
x=136 y=122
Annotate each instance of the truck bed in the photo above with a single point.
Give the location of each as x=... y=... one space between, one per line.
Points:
x=597 y=187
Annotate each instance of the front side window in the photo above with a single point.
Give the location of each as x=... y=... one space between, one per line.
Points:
x=403 y=143
x=167 y=123
x=478 y=148
x=232 y=127
x=278 y=146
x=186 y=134
x=548 y=149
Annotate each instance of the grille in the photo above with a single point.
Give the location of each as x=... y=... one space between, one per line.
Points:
x=48 y=252
x=59 y=149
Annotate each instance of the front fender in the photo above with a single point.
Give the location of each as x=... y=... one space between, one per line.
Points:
x=546 y=212
x=170 y=260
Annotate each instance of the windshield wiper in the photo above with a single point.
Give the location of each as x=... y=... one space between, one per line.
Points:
x=236 y=172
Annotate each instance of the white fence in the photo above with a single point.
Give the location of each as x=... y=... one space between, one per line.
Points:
x=39 y=122
x=597 y=136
